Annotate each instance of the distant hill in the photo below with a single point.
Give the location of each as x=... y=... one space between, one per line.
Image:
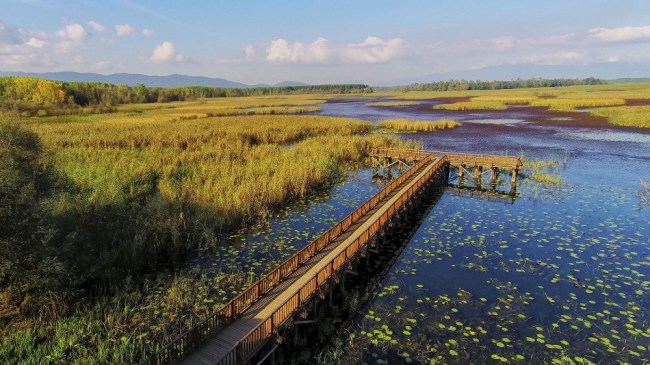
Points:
x=631 y=79
x=606 y=71
x=174 y=80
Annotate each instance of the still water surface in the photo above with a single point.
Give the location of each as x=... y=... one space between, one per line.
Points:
x=561 y=275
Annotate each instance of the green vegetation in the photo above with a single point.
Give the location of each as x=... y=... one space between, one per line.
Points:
x=98 y=204
x=473 y=105
x=611 y=101
x=405 y=125
x=393 y=103
x=38 y=97
x=570 y=104
x=543 y=172
x=461 y=85
x=627 y=116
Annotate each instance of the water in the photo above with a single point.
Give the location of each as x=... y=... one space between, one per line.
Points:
x=560 y=275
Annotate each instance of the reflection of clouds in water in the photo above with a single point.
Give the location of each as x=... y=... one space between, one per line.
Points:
x=610 y=136
x=495 y=121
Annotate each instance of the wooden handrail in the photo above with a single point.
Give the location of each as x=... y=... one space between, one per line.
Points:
x=454 y=158
x=228 y=312
x=243 y=348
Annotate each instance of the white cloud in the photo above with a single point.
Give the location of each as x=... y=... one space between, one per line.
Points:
x=281 y=51
x=249 y=52
x=36 y=43
x=72 y=37
x=72 y=32
x=147 y=32
x=553 y=40
x=620 y=34
x=373 y=50
x=555 y=58
x=97 y=27
x=166 y=52
x=123 y=30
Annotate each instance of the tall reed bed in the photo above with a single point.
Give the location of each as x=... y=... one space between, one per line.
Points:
x=627 y=116
x=473 y=105
x=141 y=191
x=405 y=125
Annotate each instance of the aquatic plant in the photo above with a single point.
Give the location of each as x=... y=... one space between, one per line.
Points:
x=627 y=116
x=405 y=125
x=473 y=105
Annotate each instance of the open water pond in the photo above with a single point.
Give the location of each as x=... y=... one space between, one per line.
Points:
x=562 y=275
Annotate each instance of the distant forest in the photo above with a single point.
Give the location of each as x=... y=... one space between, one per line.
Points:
x=29 y=96
x=34 y=96
x=459 y=85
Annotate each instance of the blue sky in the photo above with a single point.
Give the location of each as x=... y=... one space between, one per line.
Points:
x=317 y=41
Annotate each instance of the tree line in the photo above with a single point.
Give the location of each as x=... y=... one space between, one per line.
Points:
x=34 y=96
x=460 y=85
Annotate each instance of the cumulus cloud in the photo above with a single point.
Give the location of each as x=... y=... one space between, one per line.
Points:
x=123 y=30
x=97 y=27
x=147 y=32
x=166 y=52
x=620 y=34
x=281 y=51
x=373 y=50
x=36 y=43
x=71 y=38
x=20 y=48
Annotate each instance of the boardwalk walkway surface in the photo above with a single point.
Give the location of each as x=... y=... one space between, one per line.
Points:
x=236 y=332
x=222 y=345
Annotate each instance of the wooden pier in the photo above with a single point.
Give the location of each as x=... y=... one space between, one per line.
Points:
x=471 y=166
x=241 y=328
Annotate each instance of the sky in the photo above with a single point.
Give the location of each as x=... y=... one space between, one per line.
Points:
x=317 y=41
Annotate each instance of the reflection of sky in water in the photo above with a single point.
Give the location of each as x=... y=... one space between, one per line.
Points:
x=495 y=121
x=556 y=264
x=610 y=136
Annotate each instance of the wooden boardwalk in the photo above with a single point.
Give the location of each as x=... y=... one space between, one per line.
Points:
x=237 y=332
x=465 y=164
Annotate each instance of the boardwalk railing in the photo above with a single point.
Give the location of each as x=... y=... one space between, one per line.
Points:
x=226 y=314
x=456 y=159
x=250 y=344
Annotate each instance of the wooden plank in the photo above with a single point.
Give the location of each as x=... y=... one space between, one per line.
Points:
x=282 y=296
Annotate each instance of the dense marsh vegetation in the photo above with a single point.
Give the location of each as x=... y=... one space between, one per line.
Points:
x=31 y=96
x=94 y=201
x=103 y=209
x=405 y=125
x=622 y=104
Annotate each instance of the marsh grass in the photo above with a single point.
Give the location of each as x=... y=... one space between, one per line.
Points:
x=571 y=104
x=602 y=100
x=627 y=116
x=544 y=172
x=405 y=125
x=473 y=105
x=148 y=185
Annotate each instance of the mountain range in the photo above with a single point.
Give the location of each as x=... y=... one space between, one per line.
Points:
x=174 y=80
x=609 y=71
x=606 y=71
